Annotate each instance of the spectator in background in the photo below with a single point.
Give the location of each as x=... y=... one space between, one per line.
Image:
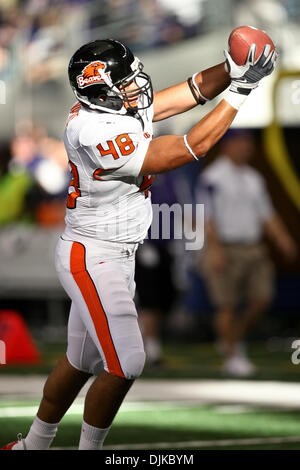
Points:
x=236 y=266
x=10 y=22
x=14 y=185
x=45 y=160
x=35 y=34
x=43 y=55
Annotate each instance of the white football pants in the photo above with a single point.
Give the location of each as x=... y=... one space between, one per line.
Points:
x=103 y=330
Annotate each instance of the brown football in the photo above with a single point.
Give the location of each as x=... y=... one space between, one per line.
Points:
x=240 y=40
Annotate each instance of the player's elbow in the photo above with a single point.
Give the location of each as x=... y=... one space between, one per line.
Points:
x=201 y=148
x=198 y=146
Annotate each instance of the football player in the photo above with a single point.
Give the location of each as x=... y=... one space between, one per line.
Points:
x=112 y=157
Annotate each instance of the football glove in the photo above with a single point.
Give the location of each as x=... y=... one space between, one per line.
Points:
x=245 y=78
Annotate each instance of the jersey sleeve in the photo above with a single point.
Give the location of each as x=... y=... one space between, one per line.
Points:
x=116 y=147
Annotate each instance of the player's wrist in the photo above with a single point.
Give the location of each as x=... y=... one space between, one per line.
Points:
x=242 y=88
x=235 y=99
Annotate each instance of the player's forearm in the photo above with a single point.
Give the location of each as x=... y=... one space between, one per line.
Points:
x=180 y=98
x=169 y=152
x=213 y=81
x=204 y=135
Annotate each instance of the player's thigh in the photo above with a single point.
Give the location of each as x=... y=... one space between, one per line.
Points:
x=82 y=352
x=113 y=283
x=101 y=293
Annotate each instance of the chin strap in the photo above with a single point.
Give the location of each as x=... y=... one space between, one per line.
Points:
x=96 y=107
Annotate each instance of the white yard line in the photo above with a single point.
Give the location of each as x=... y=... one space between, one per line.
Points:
x=211 y=443
x=219 y=392
x=77 y=408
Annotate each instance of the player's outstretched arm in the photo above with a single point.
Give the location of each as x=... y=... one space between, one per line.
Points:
x=172 y=151
x=199 y=88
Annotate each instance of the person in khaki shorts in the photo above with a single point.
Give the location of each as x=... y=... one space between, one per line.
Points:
x=236 y=266
x=247 y=271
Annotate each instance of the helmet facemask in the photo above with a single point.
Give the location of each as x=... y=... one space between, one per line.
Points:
x=141 y=91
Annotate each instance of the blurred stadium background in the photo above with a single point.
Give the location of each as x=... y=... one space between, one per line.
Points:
x=185 y=402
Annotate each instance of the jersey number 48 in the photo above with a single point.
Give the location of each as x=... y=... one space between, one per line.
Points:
x=124 y=147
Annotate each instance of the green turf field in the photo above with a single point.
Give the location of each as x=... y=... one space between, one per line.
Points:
x=171 y=426
x=175 y=424
x=188 y=360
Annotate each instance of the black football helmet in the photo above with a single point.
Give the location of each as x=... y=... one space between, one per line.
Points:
x=99 y=73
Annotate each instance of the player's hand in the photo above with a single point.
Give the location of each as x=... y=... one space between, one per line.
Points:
x=245 y=78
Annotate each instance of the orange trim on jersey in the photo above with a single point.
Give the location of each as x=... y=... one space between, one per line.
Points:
x=74 y=111
x=146 y=184
x=93 y=302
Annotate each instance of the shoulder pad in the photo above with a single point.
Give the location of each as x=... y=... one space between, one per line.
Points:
x=104 y=127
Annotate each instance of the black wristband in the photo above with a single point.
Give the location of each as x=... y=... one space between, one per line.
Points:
x=197 y=99
x=189 y=80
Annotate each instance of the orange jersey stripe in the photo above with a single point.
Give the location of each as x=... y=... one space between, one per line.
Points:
x=93 y=302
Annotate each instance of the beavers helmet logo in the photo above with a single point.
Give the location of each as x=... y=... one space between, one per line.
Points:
x=93 y=73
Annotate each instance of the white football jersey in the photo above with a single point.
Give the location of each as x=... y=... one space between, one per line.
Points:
x=107 y=199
